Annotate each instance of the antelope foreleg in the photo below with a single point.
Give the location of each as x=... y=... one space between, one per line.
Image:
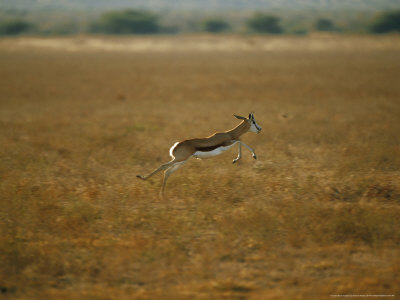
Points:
x=251 y=149
x=239 y=153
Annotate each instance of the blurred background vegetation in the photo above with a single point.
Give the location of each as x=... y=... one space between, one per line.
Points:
x=61 y=17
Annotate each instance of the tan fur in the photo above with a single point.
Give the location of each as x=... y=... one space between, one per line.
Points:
x=182 y=151
x=187 y=148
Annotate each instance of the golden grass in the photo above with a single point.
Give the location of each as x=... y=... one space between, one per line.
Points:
x=317 y=214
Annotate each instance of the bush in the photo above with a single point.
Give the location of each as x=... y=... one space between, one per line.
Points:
x=215 y=25
x=323 y=24
x=15 y=27
x=127 y=22
x=386 y=22
x=262 y=23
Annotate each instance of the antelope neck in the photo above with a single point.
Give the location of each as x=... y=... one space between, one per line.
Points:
x=242 y=128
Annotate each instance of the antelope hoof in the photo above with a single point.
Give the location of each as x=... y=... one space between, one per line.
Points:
x=141 y=177
x=254 y=156
x=234 y=161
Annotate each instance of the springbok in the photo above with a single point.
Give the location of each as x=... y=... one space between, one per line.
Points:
x=206 y=147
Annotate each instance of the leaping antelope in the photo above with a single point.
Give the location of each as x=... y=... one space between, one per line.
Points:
x=206 y=147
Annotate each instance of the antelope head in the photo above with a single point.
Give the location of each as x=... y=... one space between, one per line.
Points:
x=254 y=127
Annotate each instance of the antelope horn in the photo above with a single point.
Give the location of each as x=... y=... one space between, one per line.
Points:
x=240 y=117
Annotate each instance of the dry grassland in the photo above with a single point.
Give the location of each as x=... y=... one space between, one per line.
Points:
x=317 y=214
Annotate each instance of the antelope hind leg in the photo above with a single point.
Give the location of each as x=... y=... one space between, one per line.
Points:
x=160 y=168
x=167 y=173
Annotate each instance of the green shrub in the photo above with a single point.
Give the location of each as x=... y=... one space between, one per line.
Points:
x=386 y=22
x=15 y=27
x=263 y=23
x=215 y=25
x=323 y=24
x=127 y=22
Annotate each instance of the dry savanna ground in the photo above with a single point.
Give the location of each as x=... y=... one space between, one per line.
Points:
x=317 y=214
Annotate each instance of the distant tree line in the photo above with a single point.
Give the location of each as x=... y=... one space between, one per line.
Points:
x=143 y=22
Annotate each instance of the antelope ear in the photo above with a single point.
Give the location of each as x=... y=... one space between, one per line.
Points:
x=239 y=117
x=250 y=116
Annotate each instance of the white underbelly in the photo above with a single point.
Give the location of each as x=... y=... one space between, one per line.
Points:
x=215 y=152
